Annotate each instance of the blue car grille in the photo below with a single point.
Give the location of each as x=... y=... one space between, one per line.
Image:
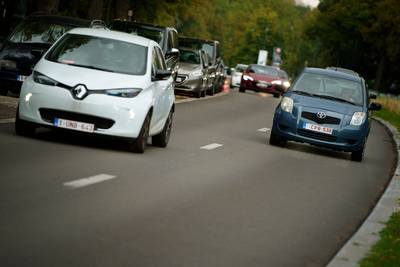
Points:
x=315 y=135
x=313 y=117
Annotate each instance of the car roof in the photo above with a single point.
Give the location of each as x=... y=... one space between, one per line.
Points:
x=197 y=40
x=120 y=36
x=73 y=21
x=333 y=73
x=148 y=25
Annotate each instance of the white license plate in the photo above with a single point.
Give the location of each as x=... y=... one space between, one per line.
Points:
x=318 y=128
x=74 y=125
x=263 y=85
x=21 y=78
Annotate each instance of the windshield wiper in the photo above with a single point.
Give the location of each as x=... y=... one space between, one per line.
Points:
x=89 y=67
x=302 y=93
x=335 y=98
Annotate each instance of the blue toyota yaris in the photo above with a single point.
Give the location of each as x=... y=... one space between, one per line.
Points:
x=325 y=107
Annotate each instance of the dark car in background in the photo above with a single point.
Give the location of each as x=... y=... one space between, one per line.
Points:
x=193 y=73
x=261 y=78
x=27 y=43
x=327 y=108
x=166 y=37
x=211 y=47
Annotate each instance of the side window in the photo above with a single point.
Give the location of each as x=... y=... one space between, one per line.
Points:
x=170 y=41
x=217 y=49
x=154 y=62
x=158 y=60
x=175 y=41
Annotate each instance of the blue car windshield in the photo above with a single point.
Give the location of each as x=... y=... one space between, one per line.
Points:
x=330 y=87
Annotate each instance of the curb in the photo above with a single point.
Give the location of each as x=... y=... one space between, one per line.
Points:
x=358 y=246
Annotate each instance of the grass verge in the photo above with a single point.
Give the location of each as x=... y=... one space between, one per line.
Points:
x=386 y=252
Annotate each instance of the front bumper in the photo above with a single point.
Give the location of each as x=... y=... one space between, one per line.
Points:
x=194 y=85
x=260 y=86
x=113 y=116
x=345 y=137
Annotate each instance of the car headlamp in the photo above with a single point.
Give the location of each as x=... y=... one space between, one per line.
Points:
x=125 y=92
x=43 y=79
x=286 y=84
x=7 y=64
x=247 y=78
x=277 y=82
x=196 y=73
x=358 y=118
x=287 y=104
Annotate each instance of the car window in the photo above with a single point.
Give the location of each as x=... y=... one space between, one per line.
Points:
x=38 y=32
x=100 y=53
x=160 y=59
x=325 y=85
x=189 y=56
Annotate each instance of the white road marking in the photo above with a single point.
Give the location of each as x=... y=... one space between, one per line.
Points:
x=211 y=146
x=264 y=130
x=7 y=120
x=89 y=180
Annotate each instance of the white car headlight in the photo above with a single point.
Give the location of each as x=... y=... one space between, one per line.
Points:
x=43 y=79
x=278 y=82
x=125 y=92
x=287 y=104
x=358 y=118
x=286 y=84
x=247 y=78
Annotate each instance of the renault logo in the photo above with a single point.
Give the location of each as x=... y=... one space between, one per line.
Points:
x=321 y=115
x=80 y=91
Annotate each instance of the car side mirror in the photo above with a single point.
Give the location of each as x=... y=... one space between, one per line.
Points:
x=375 y=106
x=162 y=75
x=372 y=96
x=172 y=53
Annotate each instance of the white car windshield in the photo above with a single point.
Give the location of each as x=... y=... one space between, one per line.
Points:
x=100 y=53
x=330 y=87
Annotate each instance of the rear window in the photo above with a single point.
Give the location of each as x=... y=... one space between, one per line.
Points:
x=30 y=31
x=100 y=53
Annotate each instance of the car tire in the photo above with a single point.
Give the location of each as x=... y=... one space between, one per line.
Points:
x=242 y=90
x=161 y=139
x=197 y=94
x=211 y=91
x=203 y=93
x=140 y=143
x=357 y=155
x=276 y=140
x=23 y=128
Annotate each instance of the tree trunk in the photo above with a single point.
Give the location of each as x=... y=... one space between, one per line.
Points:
x=122 y=8
x=379 y=73
x=48 y=6
x=96 y=9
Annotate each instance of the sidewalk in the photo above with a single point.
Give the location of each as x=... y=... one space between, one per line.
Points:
x=8 y=107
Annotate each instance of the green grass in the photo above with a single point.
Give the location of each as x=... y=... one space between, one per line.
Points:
x=386 y=252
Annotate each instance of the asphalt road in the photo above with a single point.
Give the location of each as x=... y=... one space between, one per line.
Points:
x=244 y=203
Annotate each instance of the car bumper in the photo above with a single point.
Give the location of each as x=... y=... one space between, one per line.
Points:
x=113 y=116
x=190 y=85
x=260 y=87
x=344 y=138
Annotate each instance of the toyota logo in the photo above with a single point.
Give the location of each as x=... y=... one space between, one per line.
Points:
x=80 y=91
x=321 y=115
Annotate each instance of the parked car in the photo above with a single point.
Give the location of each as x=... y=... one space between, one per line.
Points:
x=211 y=47
x=261 y=78
x=101 y=82
x=236 y=75
x=326 y=108
x=27 y=43
x=193 y=74
x=166 y=37
x=285 y=79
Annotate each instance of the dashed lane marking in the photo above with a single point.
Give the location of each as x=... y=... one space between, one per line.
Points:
x=89 y=181
x=264 y=130
x=7 y=120
x=211 y=146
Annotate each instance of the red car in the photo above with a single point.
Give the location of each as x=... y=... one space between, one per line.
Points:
x=260 y=78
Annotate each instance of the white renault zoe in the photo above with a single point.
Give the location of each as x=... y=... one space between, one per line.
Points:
x=102 y=82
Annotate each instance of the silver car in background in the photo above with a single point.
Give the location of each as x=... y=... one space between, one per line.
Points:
x=193 y=76
x=236 y=75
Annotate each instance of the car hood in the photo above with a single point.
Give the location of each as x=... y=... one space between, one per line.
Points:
x=262 y=77
x=92 y=79
x=21 y=53
x=323 y=104
x=187 y=68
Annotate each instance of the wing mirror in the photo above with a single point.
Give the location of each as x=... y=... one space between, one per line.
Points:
x=162 y=75
x=375 y=106
x=172 y=53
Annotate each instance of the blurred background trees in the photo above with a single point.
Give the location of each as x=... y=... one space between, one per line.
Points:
x=363 y=35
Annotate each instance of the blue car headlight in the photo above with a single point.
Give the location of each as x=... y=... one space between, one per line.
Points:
x=43 y=79
x=287 y=104
x=125 y=92
x=358 y=118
